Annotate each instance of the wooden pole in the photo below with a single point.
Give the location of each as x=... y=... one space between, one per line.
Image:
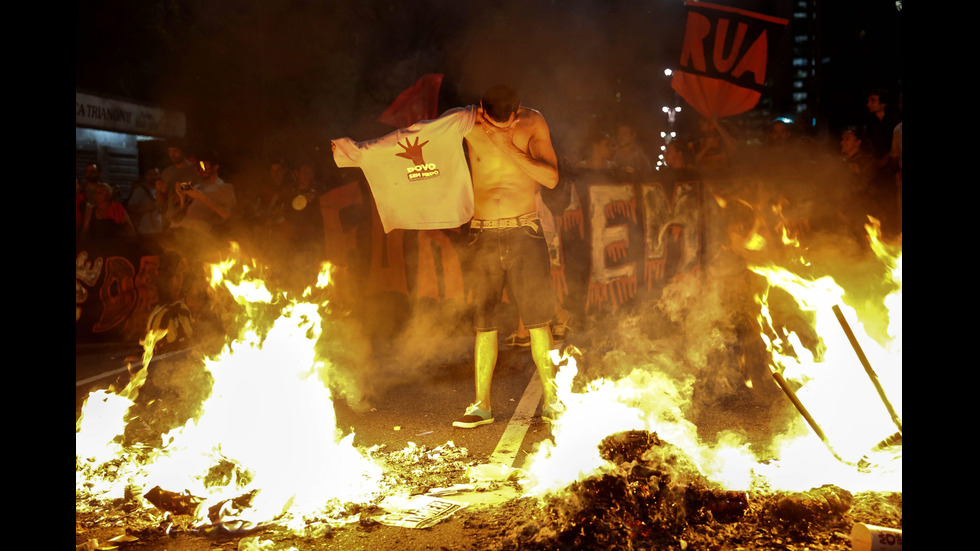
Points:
x=867 y=366
x=806 y=415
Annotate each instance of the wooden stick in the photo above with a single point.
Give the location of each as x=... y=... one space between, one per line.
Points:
x=867 y=366
x=806 y=415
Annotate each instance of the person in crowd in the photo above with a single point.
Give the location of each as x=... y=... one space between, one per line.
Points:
x=301 y=228
x=858 y=160
x=880 y=127
x=783 y=152
x=301 y=201
x=182 y=169
x=276 y=184
x=157 y=221
x=630 y=161
x=203 y=209
x=265 y=206
x=142 y=203
x=678 y=162
x=259 y=205
x=879 y=131
x=865 y=184
x=80 y=200
x=599 y=153
x=896 y=156
x=93 y=177
x=105 y=219
x=780 y=133
x=715 y=147
x=783 y=145
x=199 y=225
x=879 y=134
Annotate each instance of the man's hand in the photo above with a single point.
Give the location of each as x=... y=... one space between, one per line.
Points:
x=500 y=137
x=182 y=198
x=195 y=193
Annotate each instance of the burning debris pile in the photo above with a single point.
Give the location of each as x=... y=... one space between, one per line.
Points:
x=653 y=500
x=255 y=451
x=242 y=440
x=828 y=457
x=411 y=471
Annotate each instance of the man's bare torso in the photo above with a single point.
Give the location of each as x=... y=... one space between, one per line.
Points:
x=501 y=187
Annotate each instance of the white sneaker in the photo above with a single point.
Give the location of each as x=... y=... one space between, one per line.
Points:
x=474 y=417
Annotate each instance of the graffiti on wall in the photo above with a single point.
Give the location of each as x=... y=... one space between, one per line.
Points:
x=116 y=289
x=623 y=235
x=613 y=241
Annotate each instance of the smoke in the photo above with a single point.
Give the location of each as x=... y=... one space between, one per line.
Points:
x=406 y=344
x=311 y=74
x=694 y=338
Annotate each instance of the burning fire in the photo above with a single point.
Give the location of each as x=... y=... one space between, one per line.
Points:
x=837 y=391
x=646 y=399
x=266 y=436
x=856 y=405
x=266 y=447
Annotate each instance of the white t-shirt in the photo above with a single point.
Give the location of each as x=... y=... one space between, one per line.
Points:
x=418 y=175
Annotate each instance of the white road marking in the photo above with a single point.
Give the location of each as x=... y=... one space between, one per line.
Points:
x=510 y=442
x=139 y=362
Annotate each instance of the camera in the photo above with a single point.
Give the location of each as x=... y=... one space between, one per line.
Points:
x=185 y=186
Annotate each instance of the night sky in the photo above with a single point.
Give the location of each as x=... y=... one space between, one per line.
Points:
x=261 y=77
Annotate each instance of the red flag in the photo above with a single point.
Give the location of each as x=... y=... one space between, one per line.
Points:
x=417 y=103
x=723 y=62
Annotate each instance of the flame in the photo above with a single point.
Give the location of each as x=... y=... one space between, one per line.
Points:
x=646 y=399
x=891 y=256
x=578 y=431
x=835 y=388
x=832 y=383
x=269 y=421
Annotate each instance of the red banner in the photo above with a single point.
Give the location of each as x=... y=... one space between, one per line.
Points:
x=418 y=103
x=723 y=61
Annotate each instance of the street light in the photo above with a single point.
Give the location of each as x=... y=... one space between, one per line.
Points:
x=671 y=113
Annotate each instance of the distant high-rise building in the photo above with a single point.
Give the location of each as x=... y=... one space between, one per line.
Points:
x=805 y=66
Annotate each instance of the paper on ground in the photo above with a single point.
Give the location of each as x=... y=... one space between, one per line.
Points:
x=421 y=512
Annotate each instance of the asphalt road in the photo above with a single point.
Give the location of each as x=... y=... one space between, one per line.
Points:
x=419 y=411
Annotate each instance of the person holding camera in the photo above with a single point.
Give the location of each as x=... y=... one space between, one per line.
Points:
x=205 y=205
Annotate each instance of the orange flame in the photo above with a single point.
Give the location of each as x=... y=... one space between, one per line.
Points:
x=268 y=414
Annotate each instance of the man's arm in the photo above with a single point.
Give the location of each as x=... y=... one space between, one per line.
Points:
x=222 y=210
x=540 y=161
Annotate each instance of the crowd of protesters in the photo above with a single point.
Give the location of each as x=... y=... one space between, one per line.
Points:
x=188 y=202
x=862 y=161
x=186 y=209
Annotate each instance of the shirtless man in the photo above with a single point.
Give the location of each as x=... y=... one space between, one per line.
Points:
x=511 y=155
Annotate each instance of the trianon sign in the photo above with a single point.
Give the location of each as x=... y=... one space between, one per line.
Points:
x=102 y=113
